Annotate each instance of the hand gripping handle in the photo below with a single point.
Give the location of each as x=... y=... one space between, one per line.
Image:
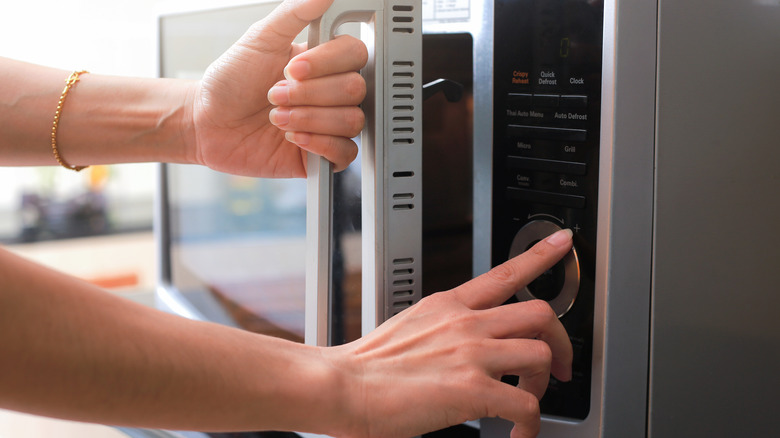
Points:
x=389 y=19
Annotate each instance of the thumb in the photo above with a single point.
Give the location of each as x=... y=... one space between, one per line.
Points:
x=289 y=19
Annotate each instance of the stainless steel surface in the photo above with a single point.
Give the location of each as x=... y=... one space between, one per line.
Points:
x=319 y=219
x=625 y=234
x=319 y=189
x=623 y=254
x=482 y=29
x=394 y=214
x=715 y=325
x=532 y=233
x=391 y=167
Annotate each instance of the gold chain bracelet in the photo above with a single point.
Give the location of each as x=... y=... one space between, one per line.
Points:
x=72 y=79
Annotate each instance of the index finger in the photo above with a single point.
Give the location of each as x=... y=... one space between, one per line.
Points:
x=497 y=285
x=343 y=54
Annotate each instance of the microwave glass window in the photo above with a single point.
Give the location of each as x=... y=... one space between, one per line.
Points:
x=235 y=245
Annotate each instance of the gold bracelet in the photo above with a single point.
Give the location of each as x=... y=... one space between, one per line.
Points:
x=72 y=79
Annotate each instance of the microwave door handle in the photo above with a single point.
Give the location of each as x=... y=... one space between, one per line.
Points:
x=392 y=165
x=391 y=181
x=319 y=185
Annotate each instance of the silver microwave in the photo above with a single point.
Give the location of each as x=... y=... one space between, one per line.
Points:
x=649 y=128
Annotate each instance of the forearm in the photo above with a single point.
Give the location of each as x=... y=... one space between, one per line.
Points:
x=72 y=351
x=104 y=119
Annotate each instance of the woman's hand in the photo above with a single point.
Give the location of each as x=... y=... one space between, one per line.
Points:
x=238 y=130
x=439 y=363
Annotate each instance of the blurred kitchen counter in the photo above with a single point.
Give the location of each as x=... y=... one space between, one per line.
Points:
x=123 y=263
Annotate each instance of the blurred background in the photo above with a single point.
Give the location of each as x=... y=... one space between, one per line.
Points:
x=49 y=213
x=96 y=224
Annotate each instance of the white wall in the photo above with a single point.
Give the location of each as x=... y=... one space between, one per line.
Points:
x=109 y=37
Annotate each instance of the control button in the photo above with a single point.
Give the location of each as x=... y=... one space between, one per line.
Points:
x=576 y=116
x=521 y=145
x=547 y=100
x=573 y=101
x=547 y=76
x=522 y=180
x=548 y=285
x=546 y=133
x=521 y=77
x=552 y=166
x=519 y=100
x=563 y=299
x=549 y=198
x=577 y=81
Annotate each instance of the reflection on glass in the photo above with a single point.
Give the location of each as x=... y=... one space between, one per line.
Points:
x=447 y=165
x=346 y=259
x=236 y=244
x=237 y=247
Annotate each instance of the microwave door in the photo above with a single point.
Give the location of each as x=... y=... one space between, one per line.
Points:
x=389 y=187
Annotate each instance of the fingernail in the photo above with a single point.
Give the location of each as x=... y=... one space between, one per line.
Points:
x=560 y=238
x=299 y=138
x=299 y=69
x=279 y=94
x=279 y=116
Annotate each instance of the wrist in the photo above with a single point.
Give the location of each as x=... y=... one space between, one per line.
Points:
x=330 y=393
x=126 y=120
x=173 y=136
x=298 y=388
x=347 y=416
x=187 y=145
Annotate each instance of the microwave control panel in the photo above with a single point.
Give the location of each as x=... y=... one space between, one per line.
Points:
x=546 y=163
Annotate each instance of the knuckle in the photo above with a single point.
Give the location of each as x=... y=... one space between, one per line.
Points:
x=502 y=273
x=355 y=120
x=355 y=88
x=301 y=93
x=436 y=301
x=357 y=47
x=526 y=414
x=341 y=152
x=468 y=352
x=299 y=117
x=470 y=377
x=542 y=310
x=529 y=404
x=471 y=322
x=330 y=146
x=542 y=352
x=538 y=250
x=352 y=151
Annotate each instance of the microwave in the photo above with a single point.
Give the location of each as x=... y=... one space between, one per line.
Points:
x=647 y=127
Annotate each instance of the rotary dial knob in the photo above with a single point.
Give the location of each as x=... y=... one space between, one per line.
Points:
x=560 y=284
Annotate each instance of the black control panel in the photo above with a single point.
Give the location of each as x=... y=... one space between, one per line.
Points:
x=547 y=101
